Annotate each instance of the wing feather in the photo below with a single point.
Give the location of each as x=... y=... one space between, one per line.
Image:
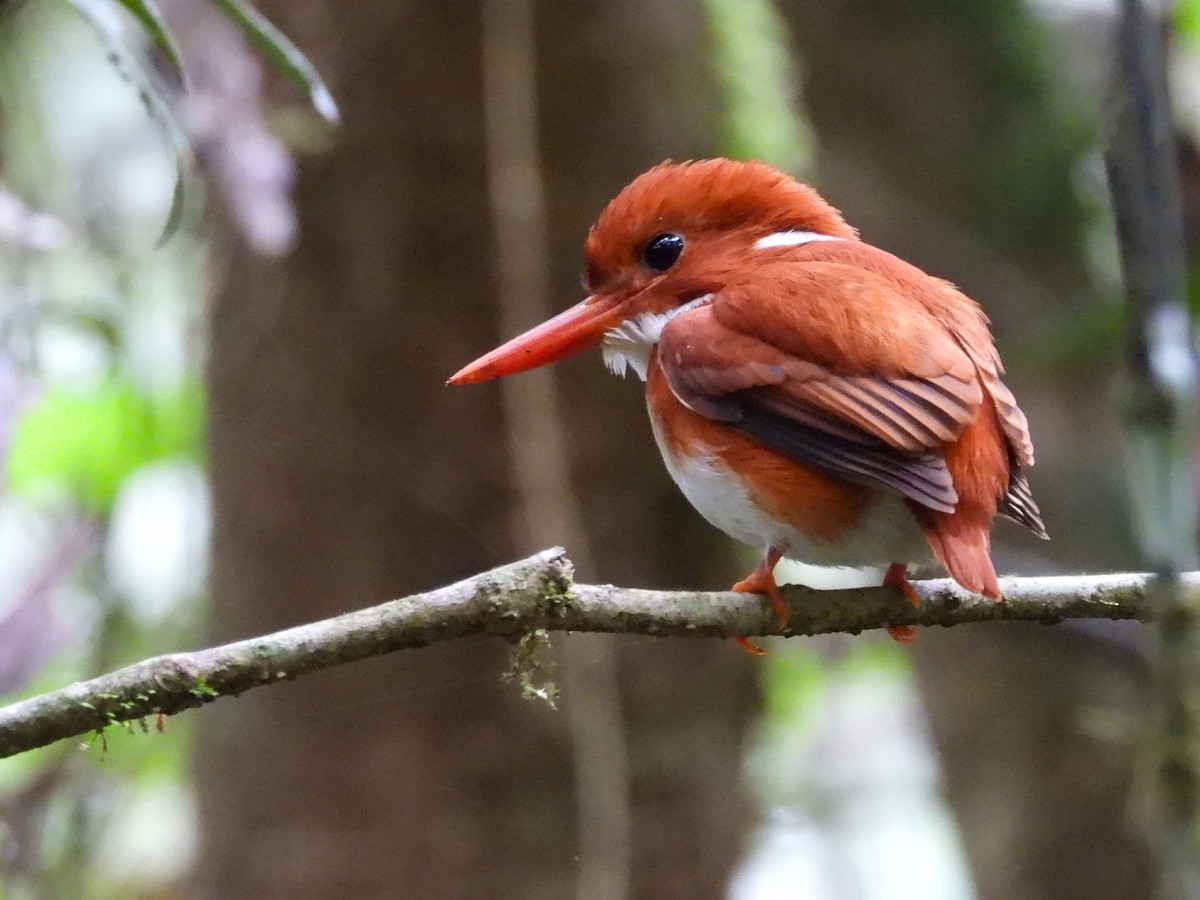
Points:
x=878 y=415
x=834 y=363
x=1018 y=504
x=963 y=318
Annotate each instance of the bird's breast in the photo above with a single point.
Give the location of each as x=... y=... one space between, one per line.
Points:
x=764 y=498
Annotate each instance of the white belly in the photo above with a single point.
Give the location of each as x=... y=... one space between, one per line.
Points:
x=886 y=533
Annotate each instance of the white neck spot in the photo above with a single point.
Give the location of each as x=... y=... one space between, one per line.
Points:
x=628 y=345
x=791 y=239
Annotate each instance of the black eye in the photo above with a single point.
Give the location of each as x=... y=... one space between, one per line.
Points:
x=662 y=251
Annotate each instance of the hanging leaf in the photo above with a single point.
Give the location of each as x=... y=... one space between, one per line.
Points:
x=151 y=19
x=130 y=66
x=286 y=56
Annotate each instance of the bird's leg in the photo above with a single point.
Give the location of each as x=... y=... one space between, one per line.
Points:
x=897 y=577
x=762 y=581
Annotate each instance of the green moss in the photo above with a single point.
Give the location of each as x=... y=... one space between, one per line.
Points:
x=201 y=688
x=554 y=595
x=531 y=669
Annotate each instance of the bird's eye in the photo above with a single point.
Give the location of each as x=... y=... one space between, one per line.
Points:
x=662 y=251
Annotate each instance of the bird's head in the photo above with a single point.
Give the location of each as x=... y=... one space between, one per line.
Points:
x=674 y=236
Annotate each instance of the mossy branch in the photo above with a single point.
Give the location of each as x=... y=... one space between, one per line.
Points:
x=518 y=599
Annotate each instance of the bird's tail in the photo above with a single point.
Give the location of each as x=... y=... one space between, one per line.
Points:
x=962 y=544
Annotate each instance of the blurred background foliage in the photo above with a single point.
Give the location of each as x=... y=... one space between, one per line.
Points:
x=224 y=324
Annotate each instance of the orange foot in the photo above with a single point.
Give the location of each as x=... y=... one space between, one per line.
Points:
x=897 y=577
x=762 y=581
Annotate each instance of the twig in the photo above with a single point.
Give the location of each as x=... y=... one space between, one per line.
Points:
x=515 y=600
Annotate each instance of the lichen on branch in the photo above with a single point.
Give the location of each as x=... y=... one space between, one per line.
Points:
x=513 y=601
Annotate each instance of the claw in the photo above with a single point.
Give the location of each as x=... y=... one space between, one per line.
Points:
x=751 y=648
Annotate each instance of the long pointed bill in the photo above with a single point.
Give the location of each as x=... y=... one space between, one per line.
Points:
x=578 y=328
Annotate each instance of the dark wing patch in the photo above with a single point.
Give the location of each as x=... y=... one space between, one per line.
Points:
x=922 y=478
x=1018 y=504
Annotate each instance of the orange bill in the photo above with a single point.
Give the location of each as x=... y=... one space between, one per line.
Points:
x=578 y=328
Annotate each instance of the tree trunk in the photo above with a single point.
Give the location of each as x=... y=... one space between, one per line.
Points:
x=344 y=472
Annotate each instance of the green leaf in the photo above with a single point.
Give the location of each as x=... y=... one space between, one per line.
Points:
x=286 y=56
x=1185 y=20
x=87 y=444
x=756 y=70
x=152 y=20
x=175 y=214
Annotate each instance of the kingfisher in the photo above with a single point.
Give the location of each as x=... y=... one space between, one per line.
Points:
x=812 y=395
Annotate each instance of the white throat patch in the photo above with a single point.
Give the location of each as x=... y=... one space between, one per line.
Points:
x=628 y=345
x=791 y=239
